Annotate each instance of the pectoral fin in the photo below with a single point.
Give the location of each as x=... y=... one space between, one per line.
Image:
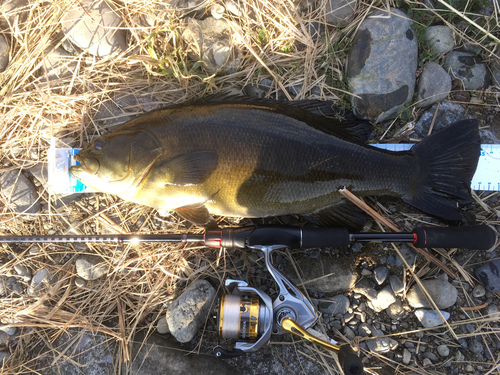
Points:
x=343 y=214
x=195 y=213
x=188 y=169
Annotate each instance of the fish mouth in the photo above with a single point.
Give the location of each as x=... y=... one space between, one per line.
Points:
x=89 y=165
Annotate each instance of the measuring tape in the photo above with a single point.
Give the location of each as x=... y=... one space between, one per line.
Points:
x=487 y=176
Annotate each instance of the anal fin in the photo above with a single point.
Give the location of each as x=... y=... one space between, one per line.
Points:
x=343 y=214
x=197 y=214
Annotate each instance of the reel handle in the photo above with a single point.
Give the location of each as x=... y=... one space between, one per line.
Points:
x=349 y=361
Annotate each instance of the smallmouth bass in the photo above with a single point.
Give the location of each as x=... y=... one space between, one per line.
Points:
x=248 y=157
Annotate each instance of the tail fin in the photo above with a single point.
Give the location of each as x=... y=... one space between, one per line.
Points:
x=447 y=161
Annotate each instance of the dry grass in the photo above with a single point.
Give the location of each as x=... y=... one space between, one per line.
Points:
x=142 y=279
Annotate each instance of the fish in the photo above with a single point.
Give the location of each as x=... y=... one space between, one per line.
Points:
x=246 y=157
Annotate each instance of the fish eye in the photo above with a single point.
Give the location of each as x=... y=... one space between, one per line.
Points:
x=98 y=144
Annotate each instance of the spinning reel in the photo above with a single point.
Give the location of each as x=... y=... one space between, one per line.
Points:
x=248 y=314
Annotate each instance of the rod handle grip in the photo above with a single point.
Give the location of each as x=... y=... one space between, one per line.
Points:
x=476 y=237
x=350 y=362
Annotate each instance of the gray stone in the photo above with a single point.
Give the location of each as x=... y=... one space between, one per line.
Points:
x=189 y=311
x=475 y=346
x=41 y=279
x=95 y=27
x=210 y=40
x=3 y=286
x=233 y=7
x=79 y=282
x=57 y=64
x=434 y=85
x=385 y=298
x=381 y=65
x=379 y=345
x=396 y=284
x=447 y=114
x=16 y=11
x=489 y=275
x=322 y=275
x=92 y=353
x=349 y=333
x=380 y=274
x=8 y=330
x=91 y=267
x=217 y=11
x=162 y=325
x=468 y=68
x=17 y=288
x=478 y=291
x=20 y=191
x=339 y=12
x=4 y=357
x=443 y=350
x=440 y=39
x=159 y=355
x=491 y=309
x=442 y=292
x=335 y=305
x=431 y=318
x=367 y=291
x=488 y=136
x=23 y=271
x=4 y=339
x=495 y=72
x=395 y=311
x=408 y=255
x=406 y=356
x=426 y=362
x=4 y=53
x=365 y=330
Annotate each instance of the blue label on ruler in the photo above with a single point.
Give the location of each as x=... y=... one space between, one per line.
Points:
x=487 y=175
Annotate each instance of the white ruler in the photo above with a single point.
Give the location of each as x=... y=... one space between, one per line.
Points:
x=487 y=176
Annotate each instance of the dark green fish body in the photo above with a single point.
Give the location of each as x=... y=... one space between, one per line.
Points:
x=259 y=158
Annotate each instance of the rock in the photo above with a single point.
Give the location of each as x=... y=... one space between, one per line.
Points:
x=21 y=193
x=41 y=280
x=495 y=72
x=406 y=356
x=217 y=11
x=3 y=287
x=426 y=362
x=431 y=318
x=395 y=311
x=379 y=345
x=339 y=12
x=385 y=298
x=447 y=114
x=58 y=63
x=162 y=325
x=468 y=68
x=23 y=271
x=491 y=309
x=381 y=65
x=478 y=291
x=4 y=339
x=349 y=333
x=407 y=253
x=160 y=355
x=440 y=39
x=210 y=40
x=91 y=267
x=233 y=7
x=396 y=284
x=489 y=275
x=434 y=85
x=322 y=275
x=380 y=274
x=100 y=38
x=8 y=330
x=189 y=311
x=79 y=282
x=4 y=357
x=365 y=330
x=365 y=272
x=442 y=292
x=92 y=353
x=335 y=305
x=443 y=350
x=16 y=11
x=488 y=136
x=475 y=346
x=367 y=291
x=4 y=53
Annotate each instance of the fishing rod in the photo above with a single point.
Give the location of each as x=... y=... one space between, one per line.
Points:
x=248 y=313
x=478 y=237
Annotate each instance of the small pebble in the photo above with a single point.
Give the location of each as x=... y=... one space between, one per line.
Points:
x=380 y=274
x=79 y=282
x=475 y=346
x=366 y=272
x=427 y=362
x=23 y=271
x=396 y=284
x=162 y=326
x=406 y=356
x=479 y=291
x=443 y=350
x=8 y=330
